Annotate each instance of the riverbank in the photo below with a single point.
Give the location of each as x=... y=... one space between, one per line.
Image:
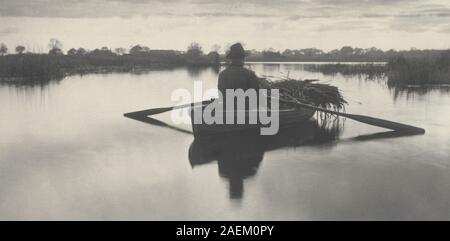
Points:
x=43 y=67
x=403 y=70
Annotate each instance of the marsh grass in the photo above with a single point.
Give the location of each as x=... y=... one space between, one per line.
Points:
x=372 y=71
x=420 y=71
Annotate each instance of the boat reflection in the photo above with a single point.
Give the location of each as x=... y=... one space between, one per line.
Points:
x=239 y=158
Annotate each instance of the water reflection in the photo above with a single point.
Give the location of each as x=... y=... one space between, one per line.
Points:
x=366 y=72
x=380 y=135
x=196 y=71
x=193 y=72
x=239 y=158
x=294 y=67
x=271 y=68
x=152 y=121
x=399 y=91
x=32 y=83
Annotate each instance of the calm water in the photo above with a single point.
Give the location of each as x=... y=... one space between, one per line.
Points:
x=66 y=152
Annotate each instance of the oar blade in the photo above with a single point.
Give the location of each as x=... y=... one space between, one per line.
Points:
x=148 y=112
x=407 y=129
x=156 y=111
x=387 y=124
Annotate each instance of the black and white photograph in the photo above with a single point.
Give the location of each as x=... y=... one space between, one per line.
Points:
x=224 y=110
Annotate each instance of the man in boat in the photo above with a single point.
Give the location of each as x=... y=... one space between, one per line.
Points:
x=235 y=76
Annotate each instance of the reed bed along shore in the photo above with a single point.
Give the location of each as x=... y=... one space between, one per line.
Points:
x=419 y=68
x=423 y=71
x=370 y=70
x=41 y=67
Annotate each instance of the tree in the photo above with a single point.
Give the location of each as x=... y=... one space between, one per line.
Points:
x=288 y=53
x=81 y=51
x=55 y=51
x=214 y=57
x=310 y=52
x=194 y=49
x=138 y=49
x=443 y=61
x=55 y=43
x=20 y=49
x=72 y=51
x=271 y=53
x=255 y=53
x=346 y=50
x=3 y=49
x=120 y=51
x=105 y=50
x=334 y=52
x=55 y=47
x=358 y=51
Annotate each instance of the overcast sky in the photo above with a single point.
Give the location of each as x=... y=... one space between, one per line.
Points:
x=259 y=24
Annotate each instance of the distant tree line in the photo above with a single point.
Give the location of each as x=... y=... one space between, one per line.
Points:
x=195 y=51
x=56 y=63
x=344 y=54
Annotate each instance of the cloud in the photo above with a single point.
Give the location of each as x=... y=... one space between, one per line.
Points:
x=290 y=9
x=345 y=26
x=363 y=3
x=80 y=8
x=444 y=29
x=244 y=15
x=172 y=21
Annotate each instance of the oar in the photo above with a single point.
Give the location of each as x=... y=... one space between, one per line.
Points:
x=361 y=118
x=155 y=111
x=365 y=119
x=155 y=122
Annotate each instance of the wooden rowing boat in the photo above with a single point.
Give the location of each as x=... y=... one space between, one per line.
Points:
x=287 y=118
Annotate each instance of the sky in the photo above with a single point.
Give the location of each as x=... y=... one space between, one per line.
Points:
x=258 y=24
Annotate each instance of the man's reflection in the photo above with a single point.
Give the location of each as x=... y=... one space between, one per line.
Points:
x=238 y=168
x=239 y=158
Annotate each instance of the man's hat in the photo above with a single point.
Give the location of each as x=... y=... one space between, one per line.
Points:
x=236 y=52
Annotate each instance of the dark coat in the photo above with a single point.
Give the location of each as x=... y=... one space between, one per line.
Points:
x=237 y=77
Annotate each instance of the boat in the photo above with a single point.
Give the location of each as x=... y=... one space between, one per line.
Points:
x=287 y=118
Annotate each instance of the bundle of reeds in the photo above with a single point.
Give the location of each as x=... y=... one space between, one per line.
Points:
x=307 y=91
